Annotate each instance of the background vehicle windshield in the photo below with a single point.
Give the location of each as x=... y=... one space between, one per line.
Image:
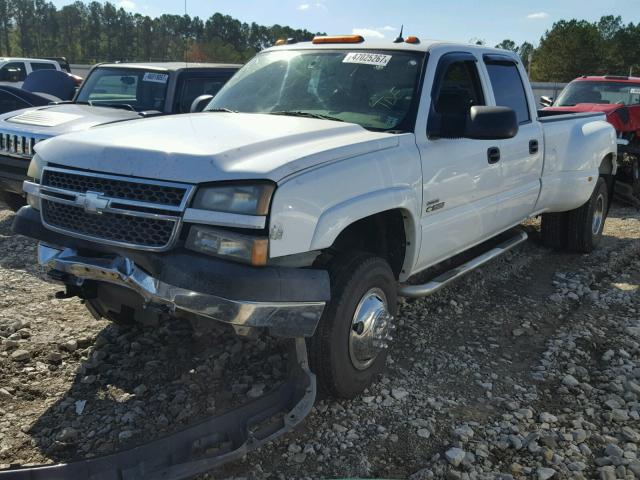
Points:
x=599 y=92
x=140 y=89
x=374 y=89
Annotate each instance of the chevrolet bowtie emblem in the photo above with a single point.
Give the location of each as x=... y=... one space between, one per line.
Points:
x=92 y=202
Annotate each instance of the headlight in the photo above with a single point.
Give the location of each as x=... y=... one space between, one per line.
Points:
x=244 y=248
x=238 y=198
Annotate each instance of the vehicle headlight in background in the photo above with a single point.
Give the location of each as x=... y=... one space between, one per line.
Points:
x=244 y=199
x=231 y=245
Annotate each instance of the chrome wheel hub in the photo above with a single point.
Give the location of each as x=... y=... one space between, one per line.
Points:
x=370 y=329
x=598 y=215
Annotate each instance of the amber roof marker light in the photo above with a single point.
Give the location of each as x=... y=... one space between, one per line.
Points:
x=412 y=39
x=338 y=39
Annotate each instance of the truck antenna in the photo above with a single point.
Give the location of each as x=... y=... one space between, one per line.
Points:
x=186 y=38
x=399 y=39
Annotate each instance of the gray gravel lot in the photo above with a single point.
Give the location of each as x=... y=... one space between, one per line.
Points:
x=528 y=368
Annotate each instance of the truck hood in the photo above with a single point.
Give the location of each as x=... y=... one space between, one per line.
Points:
x=213 y=146
x=624 y=118
x=54 y=120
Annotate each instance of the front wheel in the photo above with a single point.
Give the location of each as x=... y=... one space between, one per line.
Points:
x=349 y=348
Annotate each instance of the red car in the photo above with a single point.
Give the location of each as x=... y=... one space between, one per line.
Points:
x=619 y=98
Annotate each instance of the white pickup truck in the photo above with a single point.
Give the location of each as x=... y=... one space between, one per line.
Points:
x=319 y=180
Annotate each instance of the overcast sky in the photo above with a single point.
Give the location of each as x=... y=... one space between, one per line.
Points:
x=458 y=20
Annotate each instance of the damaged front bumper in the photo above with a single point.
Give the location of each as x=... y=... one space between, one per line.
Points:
x=287 y=301
x=203 y=446
x=285 y=319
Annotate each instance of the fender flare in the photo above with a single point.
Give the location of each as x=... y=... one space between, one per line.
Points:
x=609 y=165
x=336 y=219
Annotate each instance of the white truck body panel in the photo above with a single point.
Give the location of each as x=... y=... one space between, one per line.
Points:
x=207 y=147
x=572 y=156
x=481 y=199
x=332 y=174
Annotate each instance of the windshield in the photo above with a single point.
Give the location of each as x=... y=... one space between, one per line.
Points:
x=135 y=89
x=599 y=92
x=374 y=89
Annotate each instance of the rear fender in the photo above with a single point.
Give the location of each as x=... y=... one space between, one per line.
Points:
x=574 y=159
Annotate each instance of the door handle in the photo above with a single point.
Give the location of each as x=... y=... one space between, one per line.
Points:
x=493 y=155
x=533 y=147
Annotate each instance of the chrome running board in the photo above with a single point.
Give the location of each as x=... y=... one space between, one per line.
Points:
x=441 y=281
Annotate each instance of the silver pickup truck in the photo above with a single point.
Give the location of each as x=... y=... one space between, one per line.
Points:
x=112 y=92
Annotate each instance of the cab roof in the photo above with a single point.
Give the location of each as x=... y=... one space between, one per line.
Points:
x=608 y=78
x=172 y=66
x=24 y=59
x=377 y=44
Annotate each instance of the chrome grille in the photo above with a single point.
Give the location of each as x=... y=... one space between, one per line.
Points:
x=115 y=188
x=115 y=227
x=17 y=145
x=114 y=210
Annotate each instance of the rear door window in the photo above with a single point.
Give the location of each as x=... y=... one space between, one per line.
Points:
x=13 y=72
x=42 y=66
x=192 y=87
x=508 y=88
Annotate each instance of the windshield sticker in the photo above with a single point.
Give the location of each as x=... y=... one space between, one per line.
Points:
x=634 y=91
x=155 y=77
x=376 y=59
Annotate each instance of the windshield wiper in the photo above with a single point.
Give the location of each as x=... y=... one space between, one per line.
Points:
x=297 y=113
x=109 y=105
x=124 y=106
x=221 y=109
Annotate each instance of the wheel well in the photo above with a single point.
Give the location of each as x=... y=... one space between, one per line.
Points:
x=382 y=234
x=606 y=172
x=607 y=166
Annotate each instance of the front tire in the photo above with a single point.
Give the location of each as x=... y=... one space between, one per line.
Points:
x=349 y=349
x=585 y=224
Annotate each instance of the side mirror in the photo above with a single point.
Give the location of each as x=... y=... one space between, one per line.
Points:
x=199 y=103
x=491 y=123
x=546 y=101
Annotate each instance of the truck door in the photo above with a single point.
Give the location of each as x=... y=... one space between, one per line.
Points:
x=460 y=182
x=521 y=157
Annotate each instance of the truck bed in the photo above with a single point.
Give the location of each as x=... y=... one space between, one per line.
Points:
x=548 y=116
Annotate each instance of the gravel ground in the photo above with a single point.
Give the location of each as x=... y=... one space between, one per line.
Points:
x=528 y=368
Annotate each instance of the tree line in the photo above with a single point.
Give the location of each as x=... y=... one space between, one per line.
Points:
x=95 y=31
x=577 y=47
